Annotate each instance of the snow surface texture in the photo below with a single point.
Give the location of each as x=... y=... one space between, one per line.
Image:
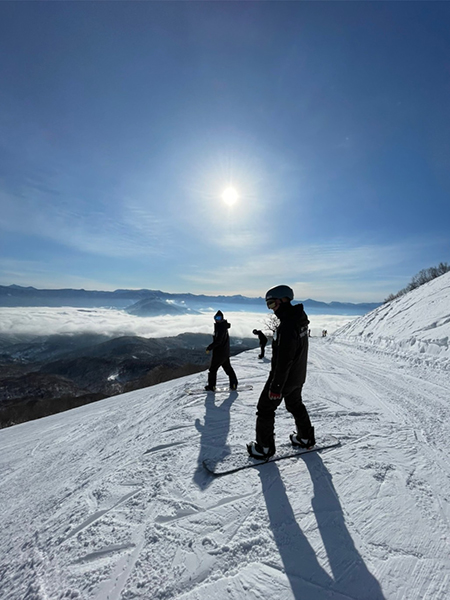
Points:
x=109 y=501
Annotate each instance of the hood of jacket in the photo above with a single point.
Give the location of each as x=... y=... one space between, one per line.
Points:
x=294 y=312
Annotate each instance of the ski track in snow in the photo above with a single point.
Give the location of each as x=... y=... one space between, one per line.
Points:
x=109 y=501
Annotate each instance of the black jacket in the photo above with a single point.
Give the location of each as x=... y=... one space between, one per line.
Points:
x=289 y=349
x=221 y=340
x=262 y=337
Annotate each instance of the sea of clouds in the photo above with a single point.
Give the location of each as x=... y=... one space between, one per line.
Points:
x=38 y=321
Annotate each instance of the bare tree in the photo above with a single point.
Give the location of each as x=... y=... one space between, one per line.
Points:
x=423 y=276
x=271 y=323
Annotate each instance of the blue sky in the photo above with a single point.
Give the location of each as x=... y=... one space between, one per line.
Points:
x=122 y=123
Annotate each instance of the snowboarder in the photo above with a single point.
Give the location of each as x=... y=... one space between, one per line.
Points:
x=220 y=347
x=287 y=376
x=262 y=341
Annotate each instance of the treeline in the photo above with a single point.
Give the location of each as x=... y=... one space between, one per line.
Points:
x=422 y=277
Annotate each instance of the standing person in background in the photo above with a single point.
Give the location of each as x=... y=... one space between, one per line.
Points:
x=287 y=376
x=220 y=347
x=262 y=341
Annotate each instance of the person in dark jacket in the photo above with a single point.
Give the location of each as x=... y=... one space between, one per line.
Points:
x=286 y=377
x=220 y=347
x=262 y=341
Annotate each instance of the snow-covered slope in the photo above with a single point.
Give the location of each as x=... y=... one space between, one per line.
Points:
x=416 y=325
x=109 y=501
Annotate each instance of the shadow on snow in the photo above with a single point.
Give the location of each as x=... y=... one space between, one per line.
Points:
x=214 y=434
x=351 y=578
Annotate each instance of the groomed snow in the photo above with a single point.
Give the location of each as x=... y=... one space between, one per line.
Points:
x=109 y=501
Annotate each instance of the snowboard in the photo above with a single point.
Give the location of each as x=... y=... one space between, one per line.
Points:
x=219 y=389
x=239 y=458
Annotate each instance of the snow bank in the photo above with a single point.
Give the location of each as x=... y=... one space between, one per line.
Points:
x=415 y=326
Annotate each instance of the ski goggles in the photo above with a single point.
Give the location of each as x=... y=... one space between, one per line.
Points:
x=217 y=318
x=271 y=304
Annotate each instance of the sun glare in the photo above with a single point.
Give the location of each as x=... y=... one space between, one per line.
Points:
x=230 y=196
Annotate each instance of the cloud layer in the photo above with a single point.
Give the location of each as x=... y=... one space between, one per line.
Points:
x=115 y=323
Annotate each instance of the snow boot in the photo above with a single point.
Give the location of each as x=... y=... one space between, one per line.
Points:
x=210 y=388
x=307 y=443
x=257 y=451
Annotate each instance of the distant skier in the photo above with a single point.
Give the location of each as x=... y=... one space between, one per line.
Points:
x=286 y=377
x=220 y=347
x=262 y=341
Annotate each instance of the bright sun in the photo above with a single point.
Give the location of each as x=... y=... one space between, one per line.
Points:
x=230 y=196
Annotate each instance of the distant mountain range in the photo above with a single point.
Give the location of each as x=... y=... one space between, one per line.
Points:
x=152 y=307
x=153 y=302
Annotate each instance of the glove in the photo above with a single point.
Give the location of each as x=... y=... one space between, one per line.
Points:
x=275 y=392
x=208 y=349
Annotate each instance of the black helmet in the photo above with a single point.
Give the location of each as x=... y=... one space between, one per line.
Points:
x=279 y=292
x=255 y=331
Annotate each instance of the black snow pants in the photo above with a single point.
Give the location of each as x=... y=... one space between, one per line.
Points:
x=262 y=346
x=265 y=420
x=217 y=361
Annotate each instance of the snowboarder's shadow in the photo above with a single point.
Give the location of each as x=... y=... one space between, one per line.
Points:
x=214 y=433
x=350 y=576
